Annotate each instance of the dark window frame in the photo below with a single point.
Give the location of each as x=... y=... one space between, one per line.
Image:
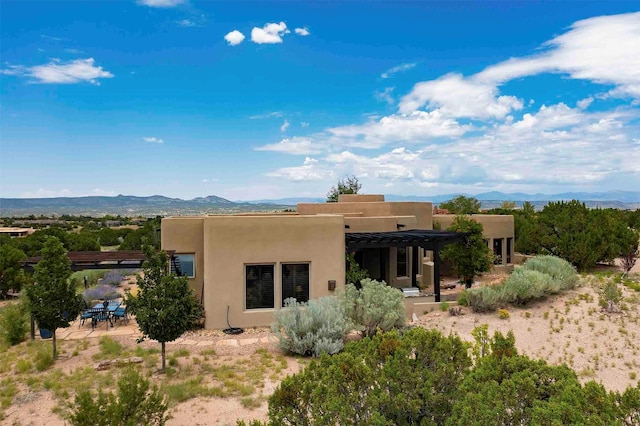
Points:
x=297 y=275
x=257 y=274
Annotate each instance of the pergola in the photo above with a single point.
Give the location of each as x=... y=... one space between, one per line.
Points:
x=80 y=260
x=432 y=240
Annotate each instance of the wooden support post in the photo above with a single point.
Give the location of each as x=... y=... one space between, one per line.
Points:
x=436 y=273
x=414 y=266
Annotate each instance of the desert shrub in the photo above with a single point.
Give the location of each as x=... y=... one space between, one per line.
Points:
x=133 y=404
x=100 y=292
x=525 y=285
x=376 y=306
x=113 y=278
x=43 y=358
x=559 y=269
x=13 y=324
x=483 y=299
x=463 y=299
x=311 y=328
x=382 y=380
x=503 y=314
x=610 y=296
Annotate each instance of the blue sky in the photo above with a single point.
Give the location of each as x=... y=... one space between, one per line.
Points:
x=248 y=100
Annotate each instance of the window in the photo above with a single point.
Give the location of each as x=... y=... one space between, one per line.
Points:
x=184 y=264
x=259 y=286
x=509 y=245
x=295 y=281
x=401 y=262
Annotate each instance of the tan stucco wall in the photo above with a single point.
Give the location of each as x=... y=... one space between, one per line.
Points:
x=420 y=210
x=231 y=242
x=493 y=226
x=185 y=235
x=359 y=198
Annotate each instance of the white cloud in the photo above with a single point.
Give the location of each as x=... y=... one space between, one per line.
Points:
x=57 y=72
x=234 y=38
x=49 y=193
x=602 y=50
x=307 y=172
x=416 y=127
x=457 y=96
x=296 y=146
x=186 y=23
x=162 y=3
x=304 y=124
x=302 y=31
x=276 y=114
x=459 y=132
x=284 y=126
x=151 y=139
x=584 y=103
x=398 y=68
x=386 y=95
x=271 y=33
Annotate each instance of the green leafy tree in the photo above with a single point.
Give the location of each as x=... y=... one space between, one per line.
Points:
x=53 y=301
x=165 y=307
x=462 y=205
x=12 y=275
x=134 y=404
x=346 y=185
x=472 y=257
x=354 y=273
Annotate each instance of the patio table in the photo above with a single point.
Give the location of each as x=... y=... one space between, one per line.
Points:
x=111 y=307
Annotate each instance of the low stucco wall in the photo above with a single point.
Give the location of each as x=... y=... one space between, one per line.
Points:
x=185 y=235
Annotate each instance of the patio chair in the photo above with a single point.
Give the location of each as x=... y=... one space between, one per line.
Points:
x=85 y=315
x=121 y=312
x=99 y=314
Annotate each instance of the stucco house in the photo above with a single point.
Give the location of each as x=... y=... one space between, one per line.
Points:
x=248 y=264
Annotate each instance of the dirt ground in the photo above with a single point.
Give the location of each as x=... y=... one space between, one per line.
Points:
x=570 y=328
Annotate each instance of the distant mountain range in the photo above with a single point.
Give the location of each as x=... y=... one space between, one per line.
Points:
x=129 y=205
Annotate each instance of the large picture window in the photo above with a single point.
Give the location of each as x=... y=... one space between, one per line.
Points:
x=184 y=265
x=295 y=281
x=259 y=286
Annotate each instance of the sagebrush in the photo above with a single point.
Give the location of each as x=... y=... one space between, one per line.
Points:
x=375 y=306
x=312 y=328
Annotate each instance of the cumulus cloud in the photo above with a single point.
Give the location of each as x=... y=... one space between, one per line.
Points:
x=285 y=126
x=234 y=38
x=398 y=68
x=296 y=146
x=302 y=31
x=162 y=3
x=309 y=171
x=271 y=33
x=151 y=139
x=460 y=132
x=58 y=72
x=602 y=50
